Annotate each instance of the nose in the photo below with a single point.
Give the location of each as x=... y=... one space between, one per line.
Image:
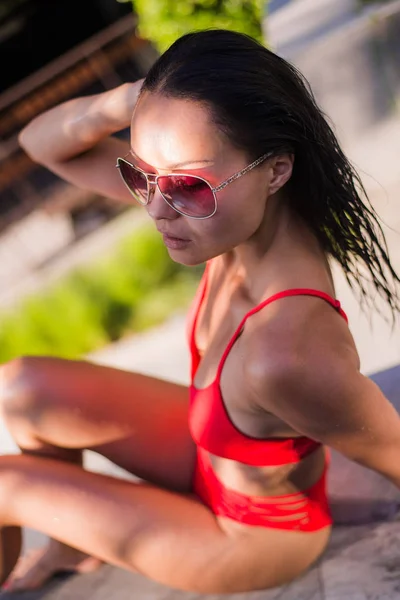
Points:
x=157 y=208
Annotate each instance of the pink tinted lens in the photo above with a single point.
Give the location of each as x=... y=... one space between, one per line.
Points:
x=188 y=194
x=135 y=180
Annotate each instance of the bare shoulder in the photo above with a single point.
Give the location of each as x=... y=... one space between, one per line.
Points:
x=301 y=365
x=297 y=331
x=295 y=352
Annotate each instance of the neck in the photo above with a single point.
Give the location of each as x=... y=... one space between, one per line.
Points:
x=276 y=225
x=277 y=251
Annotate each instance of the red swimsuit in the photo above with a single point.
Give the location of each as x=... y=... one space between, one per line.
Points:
x=214 y=433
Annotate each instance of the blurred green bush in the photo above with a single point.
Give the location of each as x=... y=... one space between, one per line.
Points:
x=163 y=21
x=136 y=287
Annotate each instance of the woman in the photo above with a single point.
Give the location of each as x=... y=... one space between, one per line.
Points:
x=238 y=168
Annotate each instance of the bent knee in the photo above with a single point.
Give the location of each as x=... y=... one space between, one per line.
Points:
x=21 y=397
x=15 y=383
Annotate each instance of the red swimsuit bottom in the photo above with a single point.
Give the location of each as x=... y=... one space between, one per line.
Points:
x=215 y=433
x=307 y=510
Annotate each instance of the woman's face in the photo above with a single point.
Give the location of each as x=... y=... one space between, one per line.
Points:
x=166 y=132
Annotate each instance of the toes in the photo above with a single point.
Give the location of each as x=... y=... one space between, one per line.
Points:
x=33 y=578
x=30 y=572
x=37 y=567
x=88 y=565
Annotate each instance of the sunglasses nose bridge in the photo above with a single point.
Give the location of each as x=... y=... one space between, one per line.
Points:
x=151 y=187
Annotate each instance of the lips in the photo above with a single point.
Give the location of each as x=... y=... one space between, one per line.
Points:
x=175 y=243
x=172 y=236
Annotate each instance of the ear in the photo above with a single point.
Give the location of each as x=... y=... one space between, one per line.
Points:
x=281 y=168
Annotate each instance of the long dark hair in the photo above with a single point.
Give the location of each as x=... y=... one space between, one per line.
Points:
x=262 y=103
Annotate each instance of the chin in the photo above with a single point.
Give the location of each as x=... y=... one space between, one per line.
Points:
x=189 y=259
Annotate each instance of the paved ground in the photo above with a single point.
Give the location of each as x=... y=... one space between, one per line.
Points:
x=329 y=43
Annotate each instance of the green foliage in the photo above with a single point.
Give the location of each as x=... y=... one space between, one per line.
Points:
x=136 y=287
x=163 y=21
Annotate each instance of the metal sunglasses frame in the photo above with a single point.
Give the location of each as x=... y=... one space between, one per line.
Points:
x=214 y=190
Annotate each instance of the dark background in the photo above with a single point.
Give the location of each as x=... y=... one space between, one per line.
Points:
x=34 y=32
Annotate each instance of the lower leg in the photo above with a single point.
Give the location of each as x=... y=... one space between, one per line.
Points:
x=34 y=569
x=19 y=410
x=130 y=525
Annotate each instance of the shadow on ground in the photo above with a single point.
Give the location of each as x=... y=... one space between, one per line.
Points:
x=358 y=495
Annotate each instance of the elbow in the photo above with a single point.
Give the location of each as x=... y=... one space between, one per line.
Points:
x=35 y=141
x=24 y=137
x=26 y=140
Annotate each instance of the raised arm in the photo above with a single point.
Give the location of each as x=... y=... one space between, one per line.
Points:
x=75 y=139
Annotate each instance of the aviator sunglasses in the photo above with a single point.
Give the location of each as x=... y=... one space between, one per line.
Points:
x=190 y=195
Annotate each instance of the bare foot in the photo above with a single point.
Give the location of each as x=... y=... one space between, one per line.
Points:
x=38 y=566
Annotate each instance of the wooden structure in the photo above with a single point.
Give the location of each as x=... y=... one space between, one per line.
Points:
x=104 y=60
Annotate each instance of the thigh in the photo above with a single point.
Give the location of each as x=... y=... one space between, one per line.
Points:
x=138 y=422
x=169 y=537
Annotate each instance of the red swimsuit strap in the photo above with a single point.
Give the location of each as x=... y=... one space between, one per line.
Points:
x=194 y=316
x=286 y=293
